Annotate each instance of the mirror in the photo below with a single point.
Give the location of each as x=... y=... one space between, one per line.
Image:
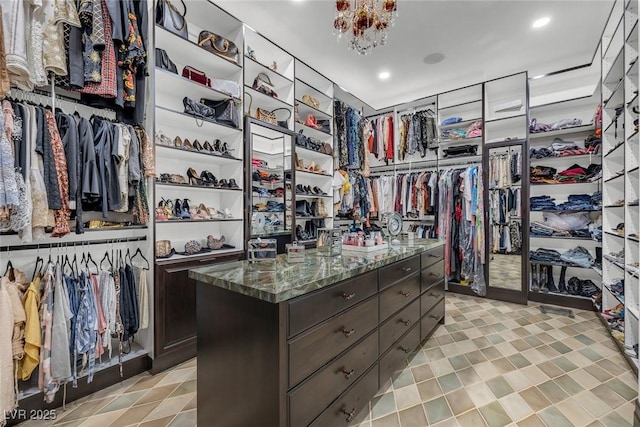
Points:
x=505 y=217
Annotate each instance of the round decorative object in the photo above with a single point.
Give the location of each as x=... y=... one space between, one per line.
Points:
x=394 y=224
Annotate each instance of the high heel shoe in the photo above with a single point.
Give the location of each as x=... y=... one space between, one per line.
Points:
x=207 y=146
x=177 y=141
x=168 y=208
x=183 y=209
x=187 y=144
x=197 y=146
x=208 y=178
x=194 y=179
x=162 y=139
x=160 y=214
x=311 y=167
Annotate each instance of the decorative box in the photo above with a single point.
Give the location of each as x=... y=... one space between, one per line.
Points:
x=329 y=241
x=295 y=252
x=262 y=252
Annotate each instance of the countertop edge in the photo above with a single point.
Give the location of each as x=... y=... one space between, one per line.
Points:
x=213 y=273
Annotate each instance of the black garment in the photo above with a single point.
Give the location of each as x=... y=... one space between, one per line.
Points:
x=90 y=179
x=68 y=129
x=49 y=174
x=129 y=310
x=106 y=151
x=75 y=58
x=20 y=144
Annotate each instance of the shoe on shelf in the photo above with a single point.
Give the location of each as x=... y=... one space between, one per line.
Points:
x=187 y=144
x=162 y=139
x=213 y=243
x=194 y=178
x=177 y=141
x=197 y=146
x=208 y=178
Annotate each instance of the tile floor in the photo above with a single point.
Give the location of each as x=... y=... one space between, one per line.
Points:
x=493 y=364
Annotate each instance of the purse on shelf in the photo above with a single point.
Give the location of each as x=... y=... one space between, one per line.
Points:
x=310 y=100
x=225 y=111
x=168 y=16
x=269 y=116
x=196 y=75
x=262 y=83
x=164 y=249
x=164 y=62
x=218 y=45
x=198 y=110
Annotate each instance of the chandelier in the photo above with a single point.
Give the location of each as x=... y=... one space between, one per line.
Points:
x=365 y=23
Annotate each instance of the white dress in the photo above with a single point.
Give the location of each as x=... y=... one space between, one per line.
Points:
x=16 y=16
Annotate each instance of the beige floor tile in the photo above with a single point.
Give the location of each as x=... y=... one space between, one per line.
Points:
x=179 y=376
x=592 y=403
x=575 y=413
x=518 y=380
x=168 y=407
x=407 y=397
x=516 y=407
x=429 y=389
x=459 y=402
x=106 y=419
x=480 y=394
x=608 y=396
x=451 y=422
x=441 y=367
x=531 y=421
x=471 y=418
x=390 y=420
x=486 y=370
x=413 y=417
x=582 y=377
x=535 y=399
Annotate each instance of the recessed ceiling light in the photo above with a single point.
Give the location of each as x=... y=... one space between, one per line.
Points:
x=538 y=23
x=433 y=58
x=384 y=75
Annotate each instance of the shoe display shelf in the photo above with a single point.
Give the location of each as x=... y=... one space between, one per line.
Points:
x=268 y=78
x=313 y=169
x=621 y=187
x=467 y=104
x=187 y=143
x=270 y=201
x=573 y=94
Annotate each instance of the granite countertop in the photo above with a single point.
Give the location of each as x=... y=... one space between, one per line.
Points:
x=287 y=281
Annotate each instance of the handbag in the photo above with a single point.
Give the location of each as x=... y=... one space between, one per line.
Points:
x=269 y=116
x=262 y=83
x=164 y=62
x=301 y=140
x=168 y=16
x=196 y=75
x=164 y=249
x=225 y=111
x=198 y=109
x=310 y=100
x=218 y=45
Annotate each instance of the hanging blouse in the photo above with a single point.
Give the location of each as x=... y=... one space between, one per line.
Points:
x=5 y=84
x=54 y=53
x=9 y=195
x=15 y=19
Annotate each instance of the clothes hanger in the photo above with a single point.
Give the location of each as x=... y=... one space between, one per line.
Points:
x=9 y=270
x=139 y=252
x=105 y=257
x=90 y=260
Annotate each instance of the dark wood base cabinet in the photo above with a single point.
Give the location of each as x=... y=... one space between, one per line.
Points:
x=175 y=333
x=315 y=360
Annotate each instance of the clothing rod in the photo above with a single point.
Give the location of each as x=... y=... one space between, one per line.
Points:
x=67 y=244
x=56 y=94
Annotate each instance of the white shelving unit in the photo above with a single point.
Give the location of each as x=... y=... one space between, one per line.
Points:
x=467 y=104
x=262 y=57
x=621 y=187
x=567 y=95
x=172 y=121
x=311 y=86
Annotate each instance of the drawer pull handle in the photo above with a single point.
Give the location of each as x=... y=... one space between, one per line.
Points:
x=406 y=350
x=348 y=374
x=406 y=269
x=431 y=294
x=432 y=274
x=405 y=294
x=432 y=256
x=348 y=333
x=347 y=296
x=349 y=415
x=405 y=322
x=432 y=316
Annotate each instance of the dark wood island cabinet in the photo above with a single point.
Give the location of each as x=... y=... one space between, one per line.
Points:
x=310 y=344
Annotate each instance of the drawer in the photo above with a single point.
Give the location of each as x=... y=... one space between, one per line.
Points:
x=309 y=310
x=397 y=271
x=432 y=256
x=397 y=296
x=431 y=275
x=431 y=297
x=429 y=321
x=314 y=395
x=350 y=408
x=314 y=348
x=394 y=359
x=398 y=324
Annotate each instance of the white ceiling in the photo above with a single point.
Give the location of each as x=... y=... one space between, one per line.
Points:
x=481 y=39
